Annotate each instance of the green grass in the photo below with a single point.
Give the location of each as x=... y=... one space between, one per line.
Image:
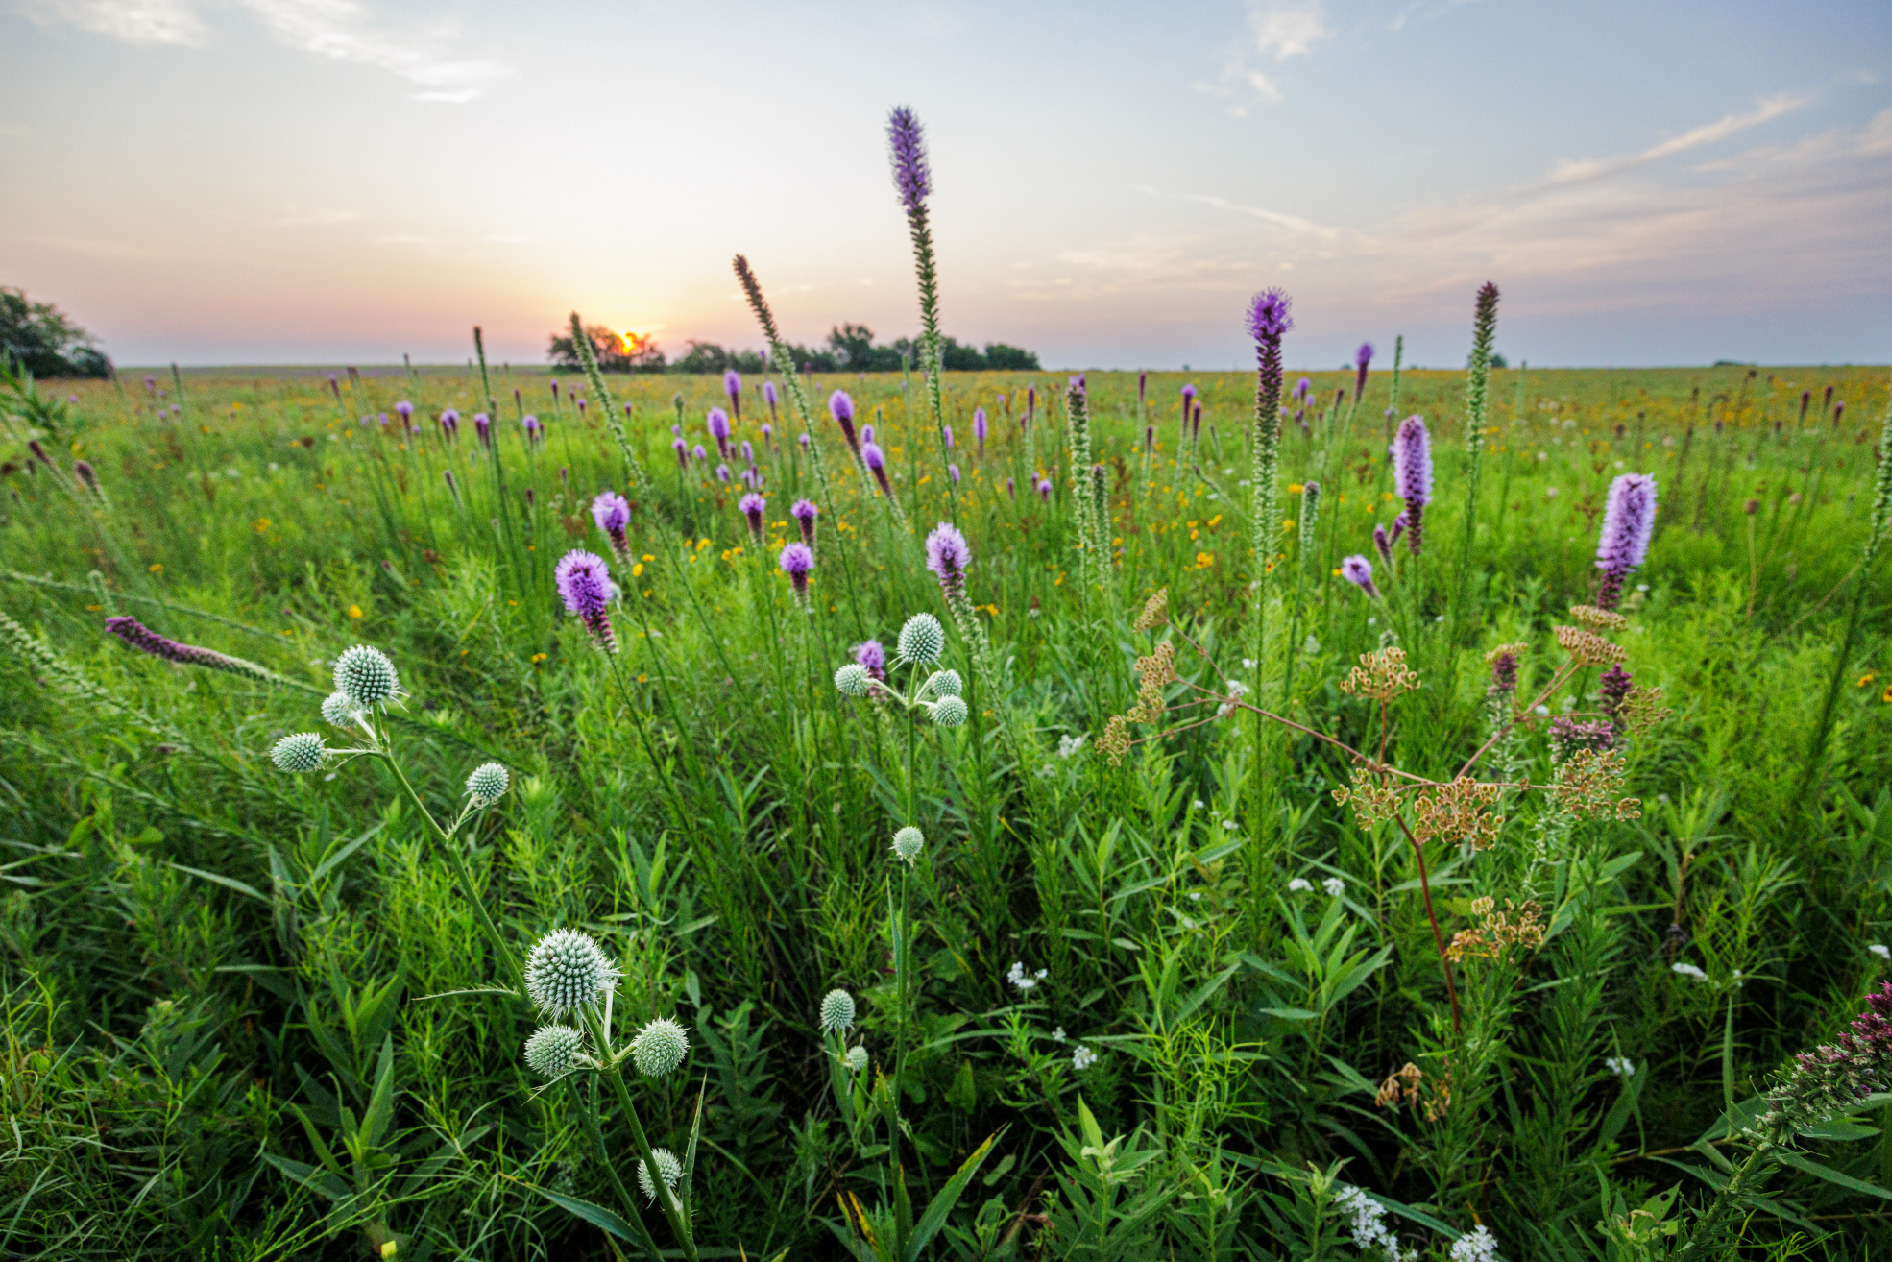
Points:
x=197 y=952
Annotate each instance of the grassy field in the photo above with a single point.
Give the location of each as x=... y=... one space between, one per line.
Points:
x=1169 y=1000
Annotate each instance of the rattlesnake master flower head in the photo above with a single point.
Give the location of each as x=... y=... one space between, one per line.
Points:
x=659 y=1048
x=944 y=683
x=339 y=709
x=856 y=1058
x=921 y=640
x=367 y=676
x=667 y=1165
x=906 y=147
x=566 y=971
x=908 y=842
x=487 y=783
x=552 y=1051
x=303 y=751
x=950 y=711
x=851 y=680
x=837 y=1011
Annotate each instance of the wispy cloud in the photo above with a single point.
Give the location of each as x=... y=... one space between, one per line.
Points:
x=1772 y=107
x=1277 y=31
x=343 y=30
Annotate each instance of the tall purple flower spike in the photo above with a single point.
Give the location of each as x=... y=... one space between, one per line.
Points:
x=867 y=433
x=698 y=454
x=612 y=512
x=804 y=513
x=978 y=427
x=1357 y=570
x=796 y=560
x=135 y=634
x=906 y=146
x=841 y=408
x=1383 y=543
x=1361 y=360
x=753 y=507
x=1011 y=489
x=719 y=430
x=1628 y=525
x=1302 y=388
x=683 y=452
x=1412 y=476
x=405 y=408
x=947 y=432
x=768 y=436
x=876 y=461
x=747 y=452
x=871 y=656
x=482 y=425
x=535 y=432
x=952 y=471
x=732 y=386
x=449 y=423
x=584 y=584
x=722 y=473
x=948 y=557
x=1044 y=489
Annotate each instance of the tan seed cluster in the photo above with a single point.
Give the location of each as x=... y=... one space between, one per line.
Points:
x=1153 y=673
x=1381 y=676
x=1498 y=931
x=1373 y=800
x=1458 y=813
x=1588 y=648
x=1599 y=619
x=1155 y=611
x=1588 y=783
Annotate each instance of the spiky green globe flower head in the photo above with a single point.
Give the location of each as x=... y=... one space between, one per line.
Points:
x=950 y=711
x=487 y=783
x=367 y=676
x=851 y=680
x=667 y=1165
x=945 y=683
x=837 y=1011
x=339 y=709
x=922 y=640
x=908 y=842
x=302 y=752
x=552 y=1051
x=566 y=970
x=659 y=1048
x=857 y=1058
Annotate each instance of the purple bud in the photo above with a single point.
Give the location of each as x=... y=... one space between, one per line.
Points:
x=952 y=471
x=1361 y=359
x=581 y=407
x=483 y=426
x=151 y=384
x=842 y=409
x=806 y=439
x=796 y=560
x=871 y=656
x=676 y=431
x=748 y=453
x=698 y=454
x=876 y=462
x=1504 y=671
x=405 y=408
x=732 y=386
x=947 y=432
x=1357 y=570
x=138 y=636
x=906 y=145
x=535 y=432
x=1044 y=489
x=1614 y=689
x=768 y=394
x=753 y=506
x=804 y=513
x=1302 y=388
x=978 y=427
x=449 y=423
x=722 y=473
x=683 y=452
x=1383 y=542
x=867 y=433
x=768 y=436
x=719 y=430
x=555 y=388
x=1011 y=489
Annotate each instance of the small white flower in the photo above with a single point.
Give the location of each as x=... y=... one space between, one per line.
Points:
x=1368 y=1228
x=1057 y=1035
x=1083 y=1058
x=1019 y=977
x=1235 y=690
x=1881 y=950
x=1198 y=804
x=1228 y=825
x=1476 y=1245
x=1195 y=896
x=1069 y=745
x=1334 y=886
x=1621 y=1066
x=1543 y=709
x=1248 y=663
x=1310 y=645
x=1299 y=885
x=1688 y=970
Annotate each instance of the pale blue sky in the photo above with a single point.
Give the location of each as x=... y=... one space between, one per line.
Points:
x=343 y=180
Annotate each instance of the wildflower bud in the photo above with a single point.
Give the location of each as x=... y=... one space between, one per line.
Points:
x=302 y=752
x=921 y=640
x=367 y=676
x=487 y=783
x=797 y=560
x=566 y=970
x=552 y=1051
x=339 y=709
x=950 y=711
x=837 y=1011
x=804 y=513
x=1357 y=570
x=659 y=1048
x=851 y=680
x=667 y=1166
x=753 y=507
x=856 y=1058
x=908 y=842
x=944 y=683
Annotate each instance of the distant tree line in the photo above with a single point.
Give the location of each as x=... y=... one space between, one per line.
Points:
x=41 y=339
x=850 y=348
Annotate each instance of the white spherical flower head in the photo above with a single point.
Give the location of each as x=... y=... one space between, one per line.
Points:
x=950 y=711
x=659 y=1048
x=552 y=1051
x=857 y=1058
x=339 y=709
x=921 y=640
x=667 y=1165
x=367 y=676
x=908 y=842
x=945 y=683
x=302 y=752
x=567 y=970
x=837 y=1011
x=487 y=783
x=851 y=680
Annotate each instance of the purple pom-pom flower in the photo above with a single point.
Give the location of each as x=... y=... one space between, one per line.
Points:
x=405 y=408
x=1044 y=489
x=449 y=423
x=1270 y=315
x=535 y=432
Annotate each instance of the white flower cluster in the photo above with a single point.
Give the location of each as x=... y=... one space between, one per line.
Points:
x=1368 y=1229
x=1881 y=950
x=1083 y=1058
x=1621 y=1066
x=1069 y=745
x=1299 y=885
x=1334 y=886
x=1689 y=970
x=1018 y=977
x=1476 y=1245
x=1235 y=690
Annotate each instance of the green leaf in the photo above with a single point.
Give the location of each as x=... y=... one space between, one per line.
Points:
x=1292 y=1014
x=1800 y=1161
x=321 y=1182
x=935 y=1216
x=597 y=1215
x=226 y=882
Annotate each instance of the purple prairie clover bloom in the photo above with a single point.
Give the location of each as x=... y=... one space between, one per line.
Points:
x=719 y=430
x=952 y=471
x=804 y=512
x=906 y=147
x=535 y=432
x=1362 y=359
x=948 y=556
x=753 y=506
x=732 y=386
x=1357 y=570
x=1044 y=489
x=405 y=408
x=683 y=452
x=584 y=584
x=978 y=427
x=871 y=656
x=1383 y=543
x=138 y=636
x=841 y=408
x=876 y=461
x=699 y=454
x=796 y=560
x=1302 y=389
x=483 y=426
x=450 y=423
x=722 y=473
x=1628 y=524
x=947 y=432
x=1412 y=475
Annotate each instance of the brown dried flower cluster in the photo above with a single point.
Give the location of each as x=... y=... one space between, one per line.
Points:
x=1115 y=742
x=1517 y=649
x=1408 y=1084
x=1155 y=611
x=1589 y=648
x=1643 y=709
x=1374 y=799
x=1498 y=931
x=1599 y=619
x=1153 y=674
x=1381 y=676
x=1588 y=782
x=1458 y=812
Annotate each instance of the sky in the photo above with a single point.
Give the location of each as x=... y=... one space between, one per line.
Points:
x=342 y=181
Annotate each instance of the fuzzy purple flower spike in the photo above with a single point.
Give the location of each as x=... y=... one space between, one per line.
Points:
x=732 y=386
x=753 y=507
x=948 y=556
x=138 y=636
x=1361 y=361
x=871 y=656
x=1412 y=475
x=876 y=461
x=804 y=512
x=1628 y=525
x=719 y=430
x=584 y=584
x=483 y=426
x=906 y=146
x=796 y=560
x=978 y=427
x=1357 y=570
x=841 y=408
x=612 y=512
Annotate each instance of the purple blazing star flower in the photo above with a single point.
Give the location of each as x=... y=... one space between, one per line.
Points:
x=906 y=146
x=450 y=423
x=806 y=439
x=796 y=560
x=555 y=389
x=1383 y=543
x=87 y=474
x=747 y=452
x=871 y=656
x=581 y=407
x=683 y=452
x=719 y=430
x=768 y=394
x=1011 y=489
x=842 y=409
x=1270 y=315
x=612 y=512
x=1077 y=383
x=1188 y=401
x=383 y=419
x=535 y=432
x=946 y=431
x=151 y=384
x=1031 y=407
x=751 y=479
x=138 y=636
x=948 y=556
x=753 y=506
x=483 y=426
x=876 y=461
x=564 y=474
x=1628 y=525
x=1302 y=389
x=722 y=473
x=584 y=584
x=867 y=433
x=1357 y=570
x=978 y=427
x=768 y=436
x=952 y=471
x=732 y=386
x=676 y=431
x=804 y=512
x=1412 y=475
x=698 y=453
x=1399 y=528
x=334 y=387
x=1195 y=428
x=1361 y=359
x=405 y=408
x=1044 y=489
x=1613 y=695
